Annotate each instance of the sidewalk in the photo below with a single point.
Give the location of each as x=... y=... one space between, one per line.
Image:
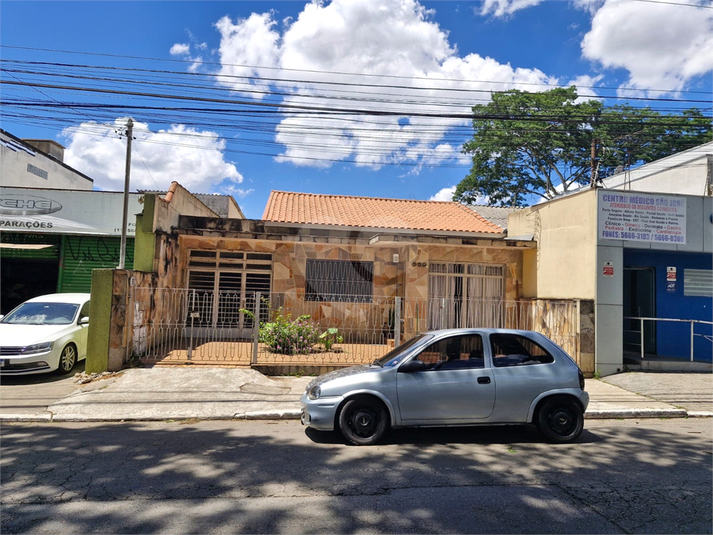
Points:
x=145 y=394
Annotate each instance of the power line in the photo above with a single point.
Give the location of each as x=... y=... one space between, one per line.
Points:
x=221 y=78
x=315 y=71
x=284 y=108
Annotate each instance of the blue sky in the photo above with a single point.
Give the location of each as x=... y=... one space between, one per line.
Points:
x=380 y=54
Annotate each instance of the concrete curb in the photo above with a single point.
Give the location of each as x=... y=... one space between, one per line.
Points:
x=269 y=415
x=26 y=417
x=628 y=414
x=612 y=414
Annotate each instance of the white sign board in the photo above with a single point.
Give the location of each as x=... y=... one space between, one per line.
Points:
x=642 y=217
x=66 y=211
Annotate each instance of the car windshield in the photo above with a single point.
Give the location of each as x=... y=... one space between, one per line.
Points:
x=42 y=314
x=393 y=357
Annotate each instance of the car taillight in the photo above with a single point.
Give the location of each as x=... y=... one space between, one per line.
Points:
x=581 y=379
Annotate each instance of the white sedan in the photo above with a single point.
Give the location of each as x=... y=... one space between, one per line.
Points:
x=45 y=334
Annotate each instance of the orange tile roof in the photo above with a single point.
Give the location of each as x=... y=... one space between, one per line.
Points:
x=372 y=212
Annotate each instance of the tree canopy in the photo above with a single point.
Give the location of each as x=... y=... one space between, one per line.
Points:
x=543 y=144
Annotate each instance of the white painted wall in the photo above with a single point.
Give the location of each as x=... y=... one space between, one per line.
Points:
x=570 y=259
x=14 y=170
x=566 y=233
x=687 y=173
x=609 y=311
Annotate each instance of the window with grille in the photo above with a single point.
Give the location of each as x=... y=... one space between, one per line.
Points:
x=465 y=295
x=224 y=283
x=339 y=280
x=698 y=283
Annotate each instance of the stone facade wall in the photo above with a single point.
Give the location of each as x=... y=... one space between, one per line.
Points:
x=152 y=299
x=407 y=278
x=586 y=338
x=141 y=300
x=567 y=322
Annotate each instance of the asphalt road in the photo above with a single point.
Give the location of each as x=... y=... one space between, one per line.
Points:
x=632 y=476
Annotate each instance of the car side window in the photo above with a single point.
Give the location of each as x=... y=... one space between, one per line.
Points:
x=456 y=352
x=517 y=350
x=84 y=312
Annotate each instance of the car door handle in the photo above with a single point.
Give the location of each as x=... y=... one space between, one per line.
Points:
x=483 y=380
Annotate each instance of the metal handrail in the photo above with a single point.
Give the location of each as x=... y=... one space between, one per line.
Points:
x=692 y=322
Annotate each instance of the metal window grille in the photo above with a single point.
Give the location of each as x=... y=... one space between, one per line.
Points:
x=698 y=283
x=465 y=295
x=222 y=286
x=339 y=280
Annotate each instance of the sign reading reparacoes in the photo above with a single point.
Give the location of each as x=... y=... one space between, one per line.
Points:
x=66 y=211
x=642 y=217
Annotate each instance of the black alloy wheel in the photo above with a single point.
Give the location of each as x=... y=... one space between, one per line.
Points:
x=560 y=420
x=363 y=421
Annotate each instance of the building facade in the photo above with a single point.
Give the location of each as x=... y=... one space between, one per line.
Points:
x=645 y=257
x=37 y=164
x=52 y=239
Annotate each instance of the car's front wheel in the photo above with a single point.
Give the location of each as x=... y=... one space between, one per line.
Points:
x=364 y=421
x=67 y=359
x=560 y=420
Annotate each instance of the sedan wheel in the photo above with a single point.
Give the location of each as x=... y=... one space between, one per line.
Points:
x=68 y=359
x=363 y=421
x=560 y=420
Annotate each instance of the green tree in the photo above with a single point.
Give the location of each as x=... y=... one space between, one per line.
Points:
x=546 y=143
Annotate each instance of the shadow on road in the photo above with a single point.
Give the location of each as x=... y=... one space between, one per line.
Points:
x=504 y=434
x=45 y=465
x=41 y=378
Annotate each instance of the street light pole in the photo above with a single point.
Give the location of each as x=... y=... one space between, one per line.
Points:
x=125 y=218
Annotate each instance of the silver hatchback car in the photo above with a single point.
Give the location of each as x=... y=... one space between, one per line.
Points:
x=453 y=377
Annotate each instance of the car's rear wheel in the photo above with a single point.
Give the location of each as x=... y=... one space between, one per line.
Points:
x=67 y=359
x=363 y=421
x=560 y=420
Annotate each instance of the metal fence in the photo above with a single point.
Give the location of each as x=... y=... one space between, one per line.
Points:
x=219 y=328
x=640 y=332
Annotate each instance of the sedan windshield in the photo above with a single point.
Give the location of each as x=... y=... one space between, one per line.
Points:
x=393 y=357
x=42 y=314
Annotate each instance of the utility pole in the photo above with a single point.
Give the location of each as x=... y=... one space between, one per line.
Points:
x=593 y=165
x=125 y=218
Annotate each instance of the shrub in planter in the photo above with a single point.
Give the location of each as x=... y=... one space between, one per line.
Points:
x=330 y=337
x=287 y=336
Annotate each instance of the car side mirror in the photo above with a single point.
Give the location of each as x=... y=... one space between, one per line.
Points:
x=413 y=366
x=84 y=320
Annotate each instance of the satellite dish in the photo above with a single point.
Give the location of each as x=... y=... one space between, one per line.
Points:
x=619 y=169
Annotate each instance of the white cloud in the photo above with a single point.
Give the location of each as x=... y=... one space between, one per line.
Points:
x=197 y=62
x=193 y=158
x=586 y=85
x=180 y=49
x=247 y=42
x=662 y=46
x=228 y=187
x=446 y=194
x=384 y=43
x=503 y=8
x=183 y=49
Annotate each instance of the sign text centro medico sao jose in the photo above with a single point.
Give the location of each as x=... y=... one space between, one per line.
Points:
x=642 y=217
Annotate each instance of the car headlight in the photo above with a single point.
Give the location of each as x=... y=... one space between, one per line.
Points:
x=314 y=392
x=38 y=348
